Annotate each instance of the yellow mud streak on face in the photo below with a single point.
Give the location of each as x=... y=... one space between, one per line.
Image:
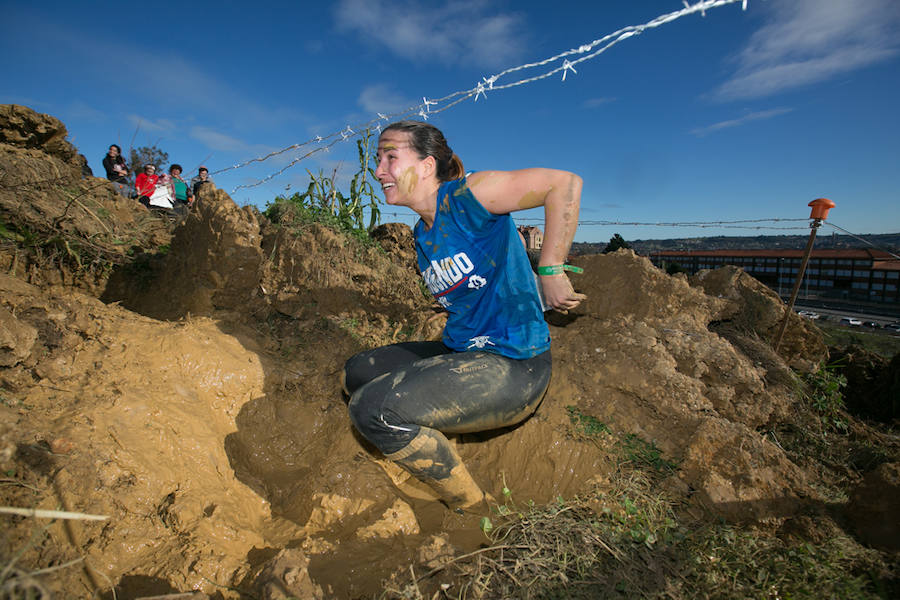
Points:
x=408 y=181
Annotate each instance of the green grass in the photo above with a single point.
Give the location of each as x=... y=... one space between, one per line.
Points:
x=823 y=391
x=879 y=342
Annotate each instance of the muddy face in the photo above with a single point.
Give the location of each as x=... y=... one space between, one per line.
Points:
x=398 y=168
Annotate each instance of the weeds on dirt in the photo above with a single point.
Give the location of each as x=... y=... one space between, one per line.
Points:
x=92 y=251
x=586 y=426
x=632 y=447
x=629 y=538
x=823 y=390
x=18 y=584
x=325 y=204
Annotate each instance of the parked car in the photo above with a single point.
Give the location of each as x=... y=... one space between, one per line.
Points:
x=851 y=322
x=871 y=324
x=893 y=326
x=809 y=314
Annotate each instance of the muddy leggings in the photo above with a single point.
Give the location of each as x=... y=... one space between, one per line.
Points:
x=399 y=389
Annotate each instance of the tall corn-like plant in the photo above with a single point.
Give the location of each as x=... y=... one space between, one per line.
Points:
x=323 y=197
x=361 y=187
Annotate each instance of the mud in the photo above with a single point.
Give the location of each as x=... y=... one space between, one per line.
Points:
x=198 y=405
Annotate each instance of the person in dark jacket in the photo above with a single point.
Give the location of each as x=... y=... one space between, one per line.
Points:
x=117 y=170
x=201 y=178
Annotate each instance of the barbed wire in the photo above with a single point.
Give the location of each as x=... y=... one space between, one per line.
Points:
x=428 y=107
x=731 y=224
x=861 y=239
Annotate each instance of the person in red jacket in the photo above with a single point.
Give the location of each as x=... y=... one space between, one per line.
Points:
x=145 y=184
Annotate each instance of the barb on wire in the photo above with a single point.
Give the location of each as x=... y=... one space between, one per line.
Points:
x=585 y=52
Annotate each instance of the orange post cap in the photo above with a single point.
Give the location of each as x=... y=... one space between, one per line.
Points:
x=820 y=208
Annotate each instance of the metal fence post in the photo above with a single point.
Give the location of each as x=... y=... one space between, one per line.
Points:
x=820 y=208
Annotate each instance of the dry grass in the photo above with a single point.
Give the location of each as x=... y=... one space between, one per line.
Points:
x=629 y=538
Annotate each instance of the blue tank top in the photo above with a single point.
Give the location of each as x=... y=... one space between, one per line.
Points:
x=476 y=266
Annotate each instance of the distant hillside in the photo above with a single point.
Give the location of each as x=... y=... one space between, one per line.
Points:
x=885 y=241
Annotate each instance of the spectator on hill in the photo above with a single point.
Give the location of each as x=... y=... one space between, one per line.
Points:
x=179 y=188
x=201 y=178
x=145 y=184
x=116 y=170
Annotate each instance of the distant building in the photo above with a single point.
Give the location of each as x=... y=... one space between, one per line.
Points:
x=862 y=275
x=534 y=237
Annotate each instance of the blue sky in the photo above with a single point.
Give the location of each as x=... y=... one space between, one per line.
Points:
x=735 y=115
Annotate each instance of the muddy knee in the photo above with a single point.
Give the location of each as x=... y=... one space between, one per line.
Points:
x=381 y=430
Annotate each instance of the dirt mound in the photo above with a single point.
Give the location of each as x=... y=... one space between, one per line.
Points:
x=60 y=228
x=24 y=128
x=198 y=405
x=754 y=313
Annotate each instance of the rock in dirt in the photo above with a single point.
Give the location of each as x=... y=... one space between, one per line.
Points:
x=286 y=576
x=16 y=339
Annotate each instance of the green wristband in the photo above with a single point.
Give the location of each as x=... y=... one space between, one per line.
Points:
x=558 y=269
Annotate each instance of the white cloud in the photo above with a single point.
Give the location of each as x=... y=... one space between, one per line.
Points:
x=381 y=98
x=807 y=41
x=450 y=33
x=215 y=140
x=596 y=102
x=755 y=116
x=81 y=110
x=151 y=125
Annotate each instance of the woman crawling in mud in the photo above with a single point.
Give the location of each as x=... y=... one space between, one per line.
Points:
x=493 y=365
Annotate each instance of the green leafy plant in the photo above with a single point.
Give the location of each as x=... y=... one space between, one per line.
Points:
x=324 y=203
x=824 y=392
x=586 y=425
x=645 y=453
x=615 y=243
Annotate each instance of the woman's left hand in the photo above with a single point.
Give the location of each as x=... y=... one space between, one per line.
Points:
x=559 y=294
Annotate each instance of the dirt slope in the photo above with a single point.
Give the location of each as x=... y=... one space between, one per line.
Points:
x=198 y=405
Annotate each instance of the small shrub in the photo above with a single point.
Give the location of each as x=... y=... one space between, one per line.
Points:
x=324 y=203
x=586 y=425
x=824 y=393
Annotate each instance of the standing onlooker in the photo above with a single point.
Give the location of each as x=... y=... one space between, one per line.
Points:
x=116 y=170
x=180 y=189
x=201 y=178
x=145 y=183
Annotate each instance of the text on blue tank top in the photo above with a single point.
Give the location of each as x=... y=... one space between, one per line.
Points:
x=476 y=266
